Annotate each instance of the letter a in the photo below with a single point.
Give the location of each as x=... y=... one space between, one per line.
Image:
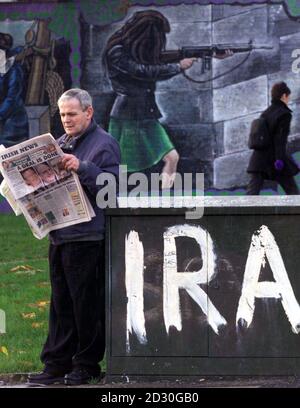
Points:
x=263 y=245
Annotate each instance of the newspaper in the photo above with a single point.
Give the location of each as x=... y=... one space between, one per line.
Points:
x=36 y=184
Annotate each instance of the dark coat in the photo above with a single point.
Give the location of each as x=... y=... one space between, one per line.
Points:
x=98 y=152
x=135 y=84
x=278 y=117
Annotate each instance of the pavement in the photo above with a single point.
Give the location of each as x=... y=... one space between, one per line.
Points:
x=20 y=381
x=212 y=390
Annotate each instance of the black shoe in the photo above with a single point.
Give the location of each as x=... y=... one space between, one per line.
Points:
x=81 y=376
x=46 y=378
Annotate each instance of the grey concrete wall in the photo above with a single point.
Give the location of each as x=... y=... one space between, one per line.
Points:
x=230 y=170
x=242 y=95
x=240 y=99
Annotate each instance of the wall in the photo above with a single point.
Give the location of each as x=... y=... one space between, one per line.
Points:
x=209 y=123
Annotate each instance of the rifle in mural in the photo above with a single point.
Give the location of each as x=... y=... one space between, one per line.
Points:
x=207 y=52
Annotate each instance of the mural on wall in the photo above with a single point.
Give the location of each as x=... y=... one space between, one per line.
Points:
x=38 y=59
x=136 y=59
x=14 y=126
x=41 y=64
x=206 y=111
x=194 y=118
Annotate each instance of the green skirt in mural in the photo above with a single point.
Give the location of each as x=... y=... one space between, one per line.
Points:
x=143 y=143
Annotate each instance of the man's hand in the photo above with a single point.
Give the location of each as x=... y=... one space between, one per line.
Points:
x=226 y=54
x=70 y=162
x=186 y=63
x=279 y=165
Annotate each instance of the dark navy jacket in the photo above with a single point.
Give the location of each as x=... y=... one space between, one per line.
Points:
x=98 y=152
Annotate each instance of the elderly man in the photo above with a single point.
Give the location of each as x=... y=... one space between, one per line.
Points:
x=76 y=337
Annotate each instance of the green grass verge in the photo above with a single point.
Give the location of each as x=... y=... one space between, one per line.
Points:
x=24 y=296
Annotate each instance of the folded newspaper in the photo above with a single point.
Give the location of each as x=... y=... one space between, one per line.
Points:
x=36 y=185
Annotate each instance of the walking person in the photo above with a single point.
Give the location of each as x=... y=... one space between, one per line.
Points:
x=273 y=162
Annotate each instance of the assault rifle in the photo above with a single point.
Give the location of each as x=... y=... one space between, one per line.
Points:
x=206 y=52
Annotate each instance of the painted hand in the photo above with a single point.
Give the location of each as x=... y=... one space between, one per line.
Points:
x=186 y=63
x=279 y=165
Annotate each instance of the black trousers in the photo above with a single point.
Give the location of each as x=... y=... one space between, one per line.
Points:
x=257 y=180
x=76 y=336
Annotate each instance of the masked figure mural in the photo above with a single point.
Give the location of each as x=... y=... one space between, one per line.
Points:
x=133 y=57
x=133 y=63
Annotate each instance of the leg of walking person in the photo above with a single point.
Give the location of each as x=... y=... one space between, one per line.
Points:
x=255 y=184
x=289 y=184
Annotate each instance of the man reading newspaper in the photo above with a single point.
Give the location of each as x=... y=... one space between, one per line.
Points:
x=76 y=338
x=36 y=185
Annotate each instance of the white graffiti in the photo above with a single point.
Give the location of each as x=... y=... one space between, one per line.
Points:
x=2 y=322
x=134 y=281
x=263 y=246
x=190 y=281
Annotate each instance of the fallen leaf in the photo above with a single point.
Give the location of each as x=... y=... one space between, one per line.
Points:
x=43 y=303
x=31 y=315
x=40 y=304
x=4 y=350
x=21 y=268
x=37 y=325
x=25 y=270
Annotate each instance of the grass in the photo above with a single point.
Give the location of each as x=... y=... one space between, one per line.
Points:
x=24 y=295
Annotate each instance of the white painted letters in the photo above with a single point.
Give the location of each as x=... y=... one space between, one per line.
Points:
x=134 y=280
x=2 y=322
x=263 y=245
x=190 y=281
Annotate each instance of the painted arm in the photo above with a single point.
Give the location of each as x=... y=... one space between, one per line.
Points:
x=122 y=62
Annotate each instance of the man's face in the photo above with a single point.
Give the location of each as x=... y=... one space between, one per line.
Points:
x=75 y=121
x=47 y=174
x=31 y=178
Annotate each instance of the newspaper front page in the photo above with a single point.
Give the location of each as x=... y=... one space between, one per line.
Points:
x=36 y=184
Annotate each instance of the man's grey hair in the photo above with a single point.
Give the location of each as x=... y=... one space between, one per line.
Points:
x=81 y=95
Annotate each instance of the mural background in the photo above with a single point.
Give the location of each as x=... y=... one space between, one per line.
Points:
x=208 y=123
